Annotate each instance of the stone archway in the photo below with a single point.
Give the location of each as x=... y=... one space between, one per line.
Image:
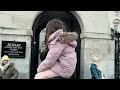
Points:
x=71 y=20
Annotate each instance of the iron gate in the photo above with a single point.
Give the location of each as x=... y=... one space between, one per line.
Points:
x=117 y=56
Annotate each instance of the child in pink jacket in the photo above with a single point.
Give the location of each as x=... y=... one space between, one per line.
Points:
x=61 y=58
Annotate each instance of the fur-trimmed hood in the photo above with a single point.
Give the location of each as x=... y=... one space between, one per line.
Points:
x=64 y=37
x=67 y=37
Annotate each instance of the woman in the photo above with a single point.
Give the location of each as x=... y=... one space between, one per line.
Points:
x=61 y=57
x=7 y=71
x=95 y=68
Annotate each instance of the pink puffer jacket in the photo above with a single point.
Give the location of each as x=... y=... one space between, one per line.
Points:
x=61 y=57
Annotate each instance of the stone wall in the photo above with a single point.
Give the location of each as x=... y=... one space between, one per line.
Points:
x=17 y=26
x=102 y=47
x=21 y=64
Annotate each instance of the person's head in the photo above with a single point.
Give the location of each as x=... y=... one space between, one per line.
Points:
x=95 y=60
x=51 y=27
x=5 y=60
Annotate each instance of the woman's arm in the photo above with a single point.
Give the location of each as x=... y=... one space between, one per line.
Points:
x=15 y=73
x=0 y=73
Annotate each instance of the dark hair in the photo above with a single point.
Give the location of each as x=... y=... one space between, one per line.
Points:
x=51 y=27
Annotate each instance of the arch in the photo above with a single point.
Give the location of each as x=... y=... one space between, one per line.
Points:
x=40 y=21
x=75 y=13
x=79 y=19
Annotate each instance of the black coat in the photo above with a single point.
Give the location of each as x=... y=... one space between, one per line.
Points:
x=43 y=55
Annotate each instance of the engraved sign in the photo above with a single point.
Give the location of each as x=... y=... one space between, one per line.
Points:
x=13 y=49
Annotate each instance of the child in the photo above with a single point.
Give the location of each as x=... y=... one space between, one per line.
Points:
x=61 y=57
